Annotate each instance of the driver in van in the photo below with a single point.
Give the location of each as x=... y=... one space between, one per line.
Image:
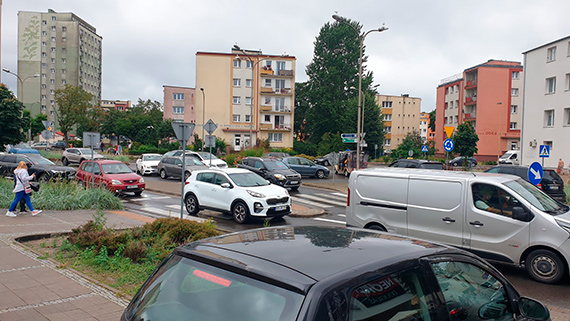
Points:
x=492 y=199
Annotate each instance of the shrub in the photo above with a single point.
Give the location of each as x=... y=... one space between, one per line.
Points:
x=306 y=156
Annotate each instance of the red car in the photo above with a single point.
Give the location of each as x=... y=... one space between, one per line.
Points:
x=114 y=175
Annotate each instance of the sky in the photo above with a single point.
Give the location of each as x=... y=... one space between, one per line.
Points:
x=148 y=44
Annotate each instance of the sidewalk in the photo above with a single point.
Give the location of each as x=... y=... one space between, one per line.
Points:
x=32 y=288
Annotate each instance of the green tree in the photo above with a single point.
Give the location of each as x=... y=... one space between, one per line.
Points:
x=331 y=143
x=465 y=139
x=92 y=121
x=37 y=124
x=73 y=103
x=10 y=118
x=432 y=120
x=413 y=141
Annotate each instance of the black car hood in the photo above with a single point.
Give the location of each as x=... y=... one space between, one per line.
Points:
x=55 y=168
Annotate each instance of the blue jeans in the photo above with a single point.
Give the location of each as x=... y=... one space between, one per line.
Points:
x=19 y=196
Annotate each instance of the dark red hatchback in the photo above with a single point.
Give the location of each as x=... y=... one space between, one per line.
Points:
x=113 y=175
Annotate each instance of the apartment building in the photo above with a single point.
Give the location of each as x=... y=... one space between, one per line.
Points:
x=401 y=115
x=249 y=95
x=546 y=110
x=120 y=105
x=180 y=105
x=426 y=133
x=55 y=49
x=489 y=96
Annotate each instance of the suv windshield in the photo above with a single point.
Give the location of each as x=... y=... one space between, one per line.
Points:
x=273 y=165
x=116 y=168
x=184 y=289
x=85 y=151
x=536 y=197
x=248 y=179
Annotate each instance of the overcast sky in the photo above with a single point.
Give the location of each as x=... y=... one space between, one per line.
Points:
x=148 y=44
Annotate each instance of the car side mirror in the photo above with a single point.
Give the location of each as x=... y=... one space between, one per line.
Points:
x=30 y=164
x=179 y=165
x=533 y=309
x=520 y=214
x=492 y=310
x=226 y=185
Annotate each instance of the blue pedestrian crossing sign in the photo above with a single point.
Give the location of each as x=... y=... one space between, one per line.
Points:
x=535 y=173
x=544 y=151
x=448 y=145
x=424 y=149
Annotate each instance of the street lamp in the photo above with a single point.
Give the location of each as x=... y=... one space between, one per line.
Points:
x=21 y=95
x=361 y=40
x=203 y=116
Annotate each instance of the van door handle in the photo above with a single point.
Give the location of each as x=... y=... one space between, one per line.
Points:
x=476 y=223
x=448 y=220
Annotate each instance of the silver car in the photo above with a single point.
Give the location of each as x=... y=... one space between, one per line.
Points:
x=78 y=155
x=172 y=166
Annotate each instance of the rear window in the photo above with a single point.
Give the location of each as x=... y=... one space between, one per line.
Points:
x=551 y=175
x=432 y=165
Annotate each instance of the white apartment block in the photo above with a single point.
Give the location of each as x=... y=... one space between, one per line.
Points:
x=401 y=115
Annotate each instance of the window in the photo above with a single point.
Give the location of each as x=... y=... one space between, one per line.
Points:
x=567 y=83
x=267 y=118
x=236 y=118
x=63 y=71
x=44 y=86
x=64 y=29
x=515 y=74
x=178 y=96
x=446 y=104
x=63 y=50
x=44 y=107
x=514 y=109
x=551 y=85
x=275 y=137
x=513 y=125
x=387 y=142
x=514 y=92
x=279 y=84
x=53 y=18
x=44 y=22
x=248 y=101
x=386 y=104
x=247 y=118
x=237 y=100
x=493 y=199
x=178 y=110
x=514 y=146
x=43 y=96
x=52 y=49
x=52 y=70
x=247 y=64
x=267 y=83
x=52 y=39
x=44 y=44
x=63 y=60
x=279 y=104
x=44 y=54
x=551 y=54
x=388 y=129
x=268 y=64
x=248 y=83
x=52 y=81
x=267 y=101
x=237 y=82
x=549 y=118
x=566 y=116
x=237 y=63
x=388 y=117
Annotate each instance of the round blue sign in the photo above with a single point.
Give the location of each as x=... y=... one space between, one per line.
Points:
x=448 y=145
x=535 y=173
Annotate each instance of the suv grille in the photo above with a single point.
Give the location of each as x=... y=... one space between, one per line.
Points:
x=273 y=201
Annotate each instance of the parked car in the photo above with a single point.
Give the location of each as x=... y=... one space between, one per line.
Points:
x=22 y=148
x=416 y=163
x=326 y=160
x=502 y=218
x=43 y=145
x=204 y=157
x=305 y=167
x=237 y=191
x=172 y=166
x=458 y=161
x=551 y=183
x=323 y=273
x=147 y=164
x=276 y=154
x=58 y=145
x=113 y=175
x=511 y=157
x=44 y=169
x=78 y=155
x=272 y=170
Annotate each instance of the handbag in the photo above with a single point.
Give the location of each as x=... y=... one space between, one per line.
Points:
x=27 y=187
x=35 y=186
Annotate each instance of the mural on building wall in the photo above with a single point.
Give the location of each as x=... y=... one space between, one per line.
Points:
x=30 y=39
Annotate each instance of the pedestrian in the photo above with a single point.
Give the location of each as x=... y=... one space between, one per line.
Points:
x=22 y=189
x=116 y=149
x=560 y=166
x=119 y=149
x=102 y=146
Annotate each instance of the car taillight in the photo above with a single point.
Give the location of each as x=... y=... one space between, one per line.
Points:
x=186 y=182
x=348 y=197
x=539 y=185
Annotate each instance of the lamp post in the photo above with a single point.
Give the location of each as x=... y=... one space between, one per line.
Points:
x=21 y=95
x=361 y=41
x=203 y=116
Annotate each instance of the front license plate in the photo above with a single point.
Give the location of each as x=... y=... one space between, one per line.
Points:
x=554 y=187
x=132 y=186
x=293 y=182
x=280 y=208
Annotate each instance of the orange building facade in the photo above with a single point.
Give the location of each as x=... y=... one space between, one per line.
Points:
x=489 y=96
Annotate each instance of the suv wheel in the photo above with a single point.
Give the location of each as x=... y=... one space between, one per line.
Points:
x=545 y=266
x=162 y=174
x=240 y=212
x=64 y=161
x=191 y=204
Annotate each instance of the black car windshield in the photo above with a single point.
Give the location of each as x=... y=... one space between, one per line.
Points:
x=116 y=168
x=537 y=197
x=248 y=179
x=273 y=165
x=184 y=289
x=41 y=161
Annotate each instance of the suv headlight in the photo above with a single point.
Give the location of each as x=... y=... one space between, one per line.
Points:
x=279 y=176
x=116 y=182
x=255 y=194
x=563 y=224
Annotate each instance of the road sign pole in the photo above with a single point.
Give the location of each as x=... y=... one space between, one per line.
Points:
x=183 y=180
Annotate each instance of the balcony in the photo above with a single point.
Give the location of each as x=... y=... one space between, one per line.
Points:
x=266 y=90
x=265 y=108
x=470 y=100
x=279 y=127
x=469 y=116
x=281 y=109
x=265 y=126
x=266 y=71
x=471 y=83
x=288 y=73
x=285 y=91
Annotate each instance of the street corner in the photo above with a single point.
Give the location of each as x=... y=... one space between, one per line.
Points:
x=302 y=211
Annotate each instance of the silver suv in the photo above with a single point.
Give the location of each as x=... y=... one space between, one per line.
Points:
x=78 y=155
x=172 y=166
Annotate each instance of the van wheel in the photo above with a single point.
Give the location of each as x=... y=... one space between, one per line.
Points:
x=545 y=266
x=240 y=212
x=376 y=227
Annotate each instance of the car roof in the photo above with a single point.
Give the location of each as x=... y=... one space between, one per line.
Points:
x=419 y=172
x=104 y=161
x=302 y=255
x=228 y=170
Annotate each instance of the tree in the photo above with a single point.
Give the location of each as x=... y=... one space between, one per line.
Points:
x=465 y=140
x=73 y=103
x=413 y=141
x=10 y=118
x=432 y=120
x=331 y=143
x=37 y=124
x=92 y=121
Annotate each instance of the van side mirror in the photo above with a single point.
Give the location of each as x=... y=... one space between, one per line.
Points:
x=520 y=214
x=533 y=309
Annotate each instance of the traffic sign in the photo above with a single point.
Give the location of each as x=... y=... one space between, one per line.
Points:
x=424 y=149
x=535 y=173
x=544 y=151
x=48 y=125
x=183 y=131
x=348 y=136
x=210 y=127
x=448 y=145
x=46 y=134
x=410 y=153
x=210 y=141
x=449 y=130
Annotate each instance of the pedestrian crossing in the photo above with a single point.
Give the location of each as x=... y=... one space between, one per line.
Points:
x=321 y=200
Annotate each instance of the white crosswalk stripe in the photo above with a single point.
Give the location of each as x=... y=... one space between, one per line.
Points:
x=296 y=200
x=329 y=220
x=331 y=199
x=171 y=213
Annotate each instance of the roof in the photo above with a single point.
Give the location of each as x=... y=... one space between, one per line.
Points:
x=105 y=161
x=546 y=44
x=441 y=174
x=300 y=256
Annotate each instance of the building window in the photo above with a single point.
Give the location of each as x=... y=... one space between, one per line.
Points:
x=178 y=110
x=275 y=137
x=44 y=33
x=516 y=74
x=44 y=22
x=248 y=101
x=44 y=86
x=178 y=96
x=386 y=104
x=450 y=104
x=514 y=92
x=237 y=82
x=52 y=92
x=248 y=83
x=44 y=107
x=63 y=71
x=64 y=29
x=53 y=28
x=63 y=50
x=551 y=54
x=237 y=63
x=52 y=49
x=52 y=18
x=388 y=129
x=549 y=118
x=52 y=102
x=446 y=104
x=514 y=109
x=388 y=117
x=236 y=118
x=267 y=118
x=566 y=116
x=44 y=54
x=548 y=143
x=43 y=75
x=52 y=39
x=44 y=44
x=43 y=96
x=237 y=100
x=513 y=125
x=52 y=81
x=567 y=82
x=551 y=85
x=247 y=64
x=387 y=142
x=63 y=81
x=267 y=83
x=267 y=101
x=247 y=118
x=63 y=60
x=514 y=146
x=52 y=70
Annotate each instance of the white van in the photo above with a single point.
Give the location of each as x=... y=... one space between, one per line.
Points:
x=512 y=157
x=500 y=217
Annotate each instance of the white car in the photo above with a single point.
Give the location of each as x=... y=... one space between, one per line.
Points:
x=147 y=164
x=237 y=191
x=216 y=162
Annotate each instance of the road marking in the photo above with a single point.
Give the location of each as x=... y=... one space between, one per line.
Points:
x=341 y=215
x=322 y=199
x=163 y=212
x=300 y=200
x=330 y=221
x=343 y=195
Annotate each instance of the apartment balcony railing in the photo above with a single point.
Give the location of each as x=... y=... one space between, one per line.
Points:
x=266 y=90
x=265 y=126
x=265 y=108
x=283 y=127
x=470 y=83
x=470 y=100
x=469 y=116
x=266 y=71
x=284 y=72
x=283 y=90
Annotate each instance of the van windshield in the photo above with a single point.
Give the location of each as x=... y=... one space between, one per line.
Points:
x=537 y=197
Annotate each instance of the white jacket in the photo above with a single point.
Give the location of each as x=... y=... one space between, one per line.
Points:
x=24 y=179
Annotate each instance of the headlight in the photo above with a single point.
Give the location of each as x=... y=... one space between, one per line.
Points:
x=255 y=194
x=279 y=176
x=116 y=182
x=563 y=224
x=56 y=172
x=141 y=180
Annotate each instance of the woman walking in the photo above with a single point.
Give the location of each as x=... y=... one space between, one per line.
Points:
x=22 y=189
